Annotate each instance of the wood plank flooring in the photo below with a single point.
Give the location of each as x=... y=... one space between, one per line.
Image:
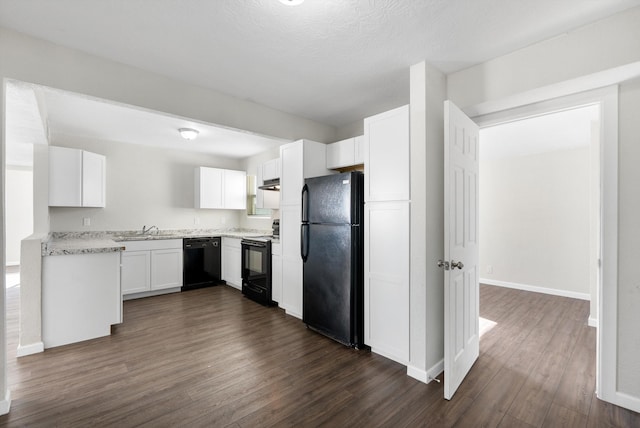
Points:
x=210 y=357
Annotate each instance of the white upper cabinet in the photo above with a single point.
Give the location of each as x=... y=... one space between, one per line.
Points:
x=235 y=189
x=291 y=178
x=299 y=160
x=93 y=180
x=208 y=188
x=76 y=178
x=268 y=198
x=345 y=153
x=271 y=169
x=217 y=188
x=386 y=141
x=359 y=149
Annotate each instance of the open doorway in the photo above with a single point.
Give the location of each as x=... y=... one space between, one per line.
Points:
x=539 y=199
x=539 y=204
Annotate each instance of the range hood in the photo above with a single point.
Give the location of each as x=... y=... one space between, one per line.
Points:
x=273 y=184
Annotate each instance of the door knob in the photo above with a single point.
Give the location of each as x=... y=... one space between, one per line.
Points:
x=443 y=264
x=458 y=265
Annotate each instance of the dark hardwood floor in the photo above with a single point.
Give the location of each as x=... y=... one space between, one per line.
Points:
x=210 y=357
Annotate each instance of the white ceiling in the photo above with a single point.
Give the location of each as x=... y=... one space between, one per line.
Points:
x=333 y=61
x=561 y=130
x=36 y=114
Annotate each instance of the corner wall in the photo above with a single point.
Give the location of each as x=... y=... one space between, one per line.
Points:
x=427 y=96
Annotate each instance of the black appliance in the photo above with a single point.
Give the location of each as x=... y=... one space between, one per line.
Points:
x=256 y=269
x=202 y=262
x=332 y=242
x=275 y=226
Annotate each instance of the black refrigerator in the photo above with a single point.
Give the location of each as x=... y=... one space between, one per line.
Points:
x=331 y=246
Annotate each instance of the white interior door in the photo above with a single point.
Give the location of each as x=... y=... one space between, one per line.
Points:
x=461 y=289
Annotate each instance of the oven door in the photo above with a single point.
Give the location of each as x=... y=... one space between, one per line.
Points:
x=256 y=271
x=256 y=263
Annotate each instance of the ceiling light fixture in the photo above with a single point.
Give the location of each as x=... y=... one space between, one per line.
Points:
x=291 y=2
x=188 y=133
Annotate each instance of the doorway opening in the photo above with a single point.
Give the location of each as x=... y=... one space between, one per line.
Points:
x=540 y=204
x=539 y=199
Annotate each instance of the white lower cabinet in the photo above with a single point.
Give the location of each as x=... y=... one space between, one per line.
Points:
x=166 y=268
x=135 y=271
x=291 y=298
x=80 y=297
x=151 y=266
x=386 y=287
x=276 y=272
x=232 y=262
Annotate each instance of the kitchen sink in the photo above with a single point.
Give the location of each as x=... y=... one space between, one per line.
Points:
x=137 y=236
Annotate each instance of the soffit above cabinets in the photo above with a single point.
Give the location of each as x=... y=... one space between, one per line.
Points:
x=332 y=61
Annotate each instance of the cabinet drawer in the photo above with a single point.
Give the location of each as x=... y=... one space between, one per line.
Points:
x=152 y=244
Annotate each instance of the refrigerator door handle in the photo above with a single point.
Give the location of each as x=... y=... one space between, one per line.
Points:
x=304 y=241
x=305 y=203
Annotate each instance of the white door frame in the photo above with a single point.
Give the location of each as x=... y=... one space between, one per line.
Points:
x=607 y=347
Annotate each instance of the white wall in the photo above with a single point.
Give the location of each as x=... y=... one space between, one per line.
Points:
x=609 y=43
x=19 y=210
x=628 y=239
x=534 y=220
x=145 y=186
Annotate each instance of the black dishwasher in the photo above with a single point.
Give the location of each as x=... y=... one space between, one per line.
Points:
x=202 y=264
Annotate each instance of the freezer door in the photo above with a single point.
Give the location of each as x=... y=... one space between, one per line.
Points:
x=327 y=199
x=326 y=292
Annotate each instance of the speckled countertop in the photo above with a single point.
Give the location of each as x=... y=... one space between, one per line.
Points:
x=64 y=243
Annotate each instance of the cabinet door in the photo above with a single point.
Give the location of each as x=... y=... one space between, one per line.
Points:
x=387 y=156
x=93 y=179
x=135 y=271
x=271 y=169
x=232 y=262
x=341 y=154
x=291 y=299
x=291 y=179
x=166 y=268
x=235 y=189
x=209 y=188
x=358 y=152
x=65 y=177
x=386 y=286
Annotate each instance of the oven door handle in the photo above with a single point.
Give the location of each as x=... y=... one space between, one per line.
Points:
x=304 y=241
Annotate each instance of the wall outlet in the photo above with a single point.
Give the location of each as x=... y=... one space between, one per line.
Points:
x=489 y=269
x=86 y=221
x=224 y=220
x=196 y=220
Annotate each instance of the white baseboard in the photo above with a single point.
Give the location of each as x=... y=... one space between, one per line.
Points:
x=536 y=289
x=33 y=348
x=5 y=405
x=592 y=322
x=623 y=400
x=428 y=375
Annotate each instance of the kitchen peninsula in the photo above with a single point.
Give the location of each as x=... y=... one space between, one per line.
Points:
x=81 y=279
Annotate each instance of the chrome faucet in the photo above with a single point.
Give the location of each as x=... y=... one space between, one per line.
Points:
x=145 y=230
